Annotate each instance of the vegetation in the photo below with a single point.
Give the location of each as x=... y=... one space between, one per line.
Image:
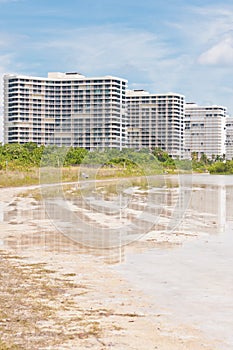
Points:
x=221 y=167
x=21 y=164
x=22 y=157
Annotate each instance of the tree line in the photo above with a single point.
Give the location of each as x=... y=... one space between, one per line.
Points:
x=30 y=155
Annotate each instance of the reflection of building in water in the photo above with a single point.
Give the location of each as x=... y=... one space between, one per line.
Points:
x=75 y=226
x=1 y=212
x=229 y=203
x=208 y=206
x=34 y=228
x=201 y=208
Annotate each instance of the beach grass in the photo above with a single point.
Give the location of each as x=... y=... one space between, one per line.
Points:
x=36 y=176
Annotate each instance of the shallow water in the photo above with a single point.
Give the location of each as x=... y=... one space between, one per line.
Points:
x=194 y=281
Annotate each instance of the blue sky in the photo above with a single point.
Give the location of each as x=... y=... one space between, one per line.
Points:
x=161 y=46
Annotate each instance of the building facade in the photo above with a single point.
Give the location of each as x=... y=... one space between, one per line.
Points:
x=205 y=130
x=229 y=138
x=156 y=120
x=65 y=109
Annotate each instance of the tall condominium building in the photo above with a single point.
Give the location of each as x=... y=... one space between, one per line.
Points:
x=65 y=109
x=205 y=130
x=1 y=126
x=229 y=138
x=156 y=120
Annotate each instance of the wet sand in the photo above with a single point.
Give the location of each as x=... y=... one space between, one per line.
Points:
x=56 y=294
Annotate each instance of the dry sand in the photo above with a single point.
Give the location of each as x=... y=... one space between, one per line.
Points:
x=55 y=294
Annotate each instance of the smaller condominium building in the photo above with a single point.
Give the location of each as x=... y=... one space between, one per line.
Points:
x=65 y=109
x=229 y=138
x=156 y=120
x=205 y=130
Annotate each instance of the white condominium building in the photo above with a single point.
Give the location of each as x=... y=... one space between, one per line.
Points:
x=156 y=120
x=205 y=130
x=65 y=109
x=229 y=138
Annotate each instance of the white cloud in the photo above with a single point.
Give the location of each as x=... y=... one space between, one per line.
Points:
x=202 y=26
x=212 y=10
x=205 y=35
x=180 y=60
x=133 y=54
x=6 y=1
x=5 y=61
x=214 y=35
x=219 y=54
x=98 y=44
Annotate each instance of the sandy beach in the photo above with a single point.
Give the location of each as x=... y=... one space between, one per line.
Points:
x=55 y=294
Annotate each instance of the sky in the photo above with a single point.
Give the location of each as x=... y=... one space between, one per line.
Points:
x=161 y=46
